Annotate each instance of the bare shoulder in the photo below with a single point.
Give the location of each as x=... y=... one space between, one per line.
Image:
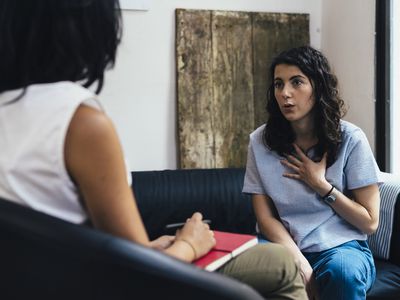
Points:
x=91 y=142
x=89 y=123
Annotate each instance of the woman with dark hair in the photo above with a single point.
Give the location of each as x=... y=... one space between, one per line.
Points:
x=60 y=153
x=314 y=179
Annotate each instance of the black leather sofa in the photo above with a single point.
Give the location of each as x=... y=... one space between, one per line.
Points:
x=171 y=196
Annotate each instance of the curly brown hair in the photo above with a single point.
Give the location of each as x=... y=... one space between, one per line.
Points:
x=329 y=106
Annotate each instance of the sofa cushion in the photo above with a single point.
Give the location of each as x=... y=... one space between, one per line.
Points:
x=380 y=241
x=387 y=283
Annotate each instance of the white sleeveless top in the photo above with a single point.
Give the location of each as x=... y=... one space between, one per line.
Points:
x=32 y=135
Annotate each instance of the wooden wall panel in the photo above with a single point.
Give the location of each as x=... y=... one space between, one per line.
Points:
x=232 y=86
x=194 y=90
x=272 y=33
x=222 y=59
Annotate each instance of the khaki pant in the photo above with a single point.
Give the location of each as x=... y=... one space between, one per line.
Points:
x=269 y=269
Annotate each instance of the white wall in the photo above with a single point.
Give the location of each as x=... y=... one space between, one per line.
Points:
x=348 y=40
x=139 y=94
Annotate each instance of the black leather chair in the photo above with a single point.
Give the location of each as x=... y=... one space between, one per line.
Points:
x=42 y=257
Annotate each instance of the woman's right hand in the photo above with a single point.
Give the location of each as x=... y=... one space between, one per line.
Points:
x=307 y=274
x=197 y=234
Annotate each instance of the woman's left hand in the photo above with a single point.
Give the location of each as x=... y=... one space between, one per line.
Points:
x=310 y=172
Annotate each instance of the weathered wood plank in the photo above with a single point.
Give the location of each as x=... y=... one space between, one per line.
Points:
x=273 y=33
x=194 y=88
x=232 y=86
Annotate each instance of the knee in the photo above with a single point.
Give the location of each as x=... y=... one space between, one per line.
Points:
x=273 y=272
x=343 y=273
x=283 y=261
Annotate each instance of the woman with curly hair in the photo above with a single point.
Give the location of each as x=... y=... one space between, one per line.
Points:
x=313 y=178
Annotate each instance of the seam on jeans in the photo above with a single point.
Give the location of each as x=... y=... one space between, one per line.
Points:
x=342 y=270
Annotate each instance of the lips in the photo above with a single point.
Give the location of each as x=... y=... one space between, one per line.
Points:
x=288 y=108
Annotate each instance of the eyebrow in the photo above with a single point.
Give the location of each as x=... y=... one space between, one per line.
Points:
x=291 y=78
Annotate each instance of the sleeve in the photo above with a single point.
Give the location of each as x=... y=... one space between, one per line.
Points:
x=252 y=181
x=361 y=168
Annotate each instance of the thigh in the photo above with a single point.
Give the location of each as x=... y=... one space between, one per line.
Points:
x=343 y=271
x=268 y=268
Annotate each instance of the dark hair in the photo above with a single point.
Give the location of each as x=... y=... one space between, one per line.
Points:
x=329 y=107
x=44 y=41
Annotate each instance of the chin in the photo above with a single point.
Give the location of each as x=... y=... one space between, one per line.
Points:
x=290 y=118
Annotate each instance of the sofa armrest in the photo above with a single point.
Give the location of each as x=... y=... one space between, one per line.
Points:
x=171 y=196
x=395 y=241
x=385 y=242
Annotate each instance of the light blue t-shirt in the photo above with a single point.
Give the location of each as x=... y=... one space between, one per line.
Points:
x=313 y=225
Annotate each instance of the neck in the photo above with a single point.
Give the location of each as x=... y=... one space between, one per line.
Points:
x=305 y=134
x=304 y=129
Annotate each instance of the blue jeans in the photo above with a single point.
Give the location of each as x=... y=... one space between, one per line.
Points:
x=344 y=272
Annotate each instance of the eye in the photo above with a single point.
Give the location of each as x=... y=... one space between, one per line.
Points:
x=297 y=82
x=278 y=85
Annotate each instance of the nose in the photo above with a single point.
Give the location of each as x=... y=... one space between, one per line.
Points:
x=286 y=92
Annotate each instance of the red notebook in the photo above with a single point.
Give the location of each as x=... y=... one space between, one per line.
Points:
x=228 y=246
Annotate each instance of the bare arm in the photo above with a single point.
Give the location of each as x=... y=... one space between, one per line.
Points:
x=272 y=228
x=94 y=160
x=362 y=213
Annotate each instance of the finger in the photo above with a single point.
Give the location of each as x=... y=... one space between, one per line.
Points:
x=300 y=152
x=206 y=226
x=309 y=294
x=197 y=216
x=294 y=159
x=290 y=175
x=290 y=165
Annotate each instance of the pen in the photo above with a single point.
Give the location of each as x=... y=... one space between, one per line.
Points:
x=175 y=225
